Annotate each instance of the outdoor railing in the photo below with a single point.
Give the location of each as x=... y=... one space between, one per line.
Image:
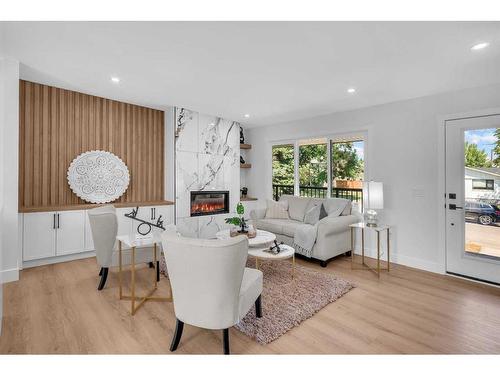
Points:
x=319 y=192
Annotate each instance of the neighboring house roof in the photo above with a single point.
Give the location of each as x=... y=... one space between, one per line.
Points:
x=491 y=171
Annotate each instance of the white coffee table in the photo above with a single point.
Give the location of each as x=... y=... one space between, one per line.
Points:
x=286 y=252
x=263 y=239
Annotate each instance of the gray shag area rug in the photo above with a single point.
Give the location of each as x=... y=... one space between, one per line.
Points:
x=285 y=302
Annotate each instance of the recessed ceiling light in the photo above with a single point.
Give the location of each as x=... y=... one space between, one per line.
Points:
x=115 y=79
x=479 y=46
x=351 y=90
x=246 y=115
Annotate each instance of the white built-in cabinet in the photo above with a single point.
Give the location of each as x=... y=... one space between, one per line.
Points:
x=49 y=234
x=59 y=233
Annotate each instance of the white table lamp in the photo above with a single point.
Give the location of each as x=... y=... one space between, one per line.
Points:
x=373 y=198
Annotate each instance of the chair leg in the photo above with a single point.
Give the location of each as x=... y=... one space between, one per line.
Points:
x=179 y=326
x=258 y=307
x=151 y=265
x=104 y=277
x=157 y=270
x=225 y=334
x=100 y=272
x=323 y=263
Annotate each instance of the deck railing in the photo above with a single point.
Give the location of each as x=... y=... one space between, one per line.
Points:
x=319 y=192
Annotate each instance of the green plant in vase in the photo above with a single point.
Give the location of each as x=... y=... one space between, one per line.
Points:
x=239 y=220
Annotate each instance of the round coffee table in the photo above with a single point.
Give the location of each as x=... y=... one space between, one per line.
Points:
x=286 y=252
x=263 y=239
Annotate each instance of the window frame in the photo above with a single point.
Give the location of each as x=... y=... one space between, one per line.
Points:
x=361 y=135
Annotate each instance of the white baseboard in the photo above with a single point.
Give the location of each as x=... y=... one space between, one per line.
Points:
x=405 y=260
x=9 y=275
x=59 y=259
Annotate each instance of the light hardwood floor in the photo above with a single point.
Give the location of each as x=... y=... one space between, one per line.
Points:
x=57 y=309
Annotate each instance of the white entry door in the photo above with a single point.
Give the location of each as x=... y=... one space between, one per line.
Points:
x=473 y=198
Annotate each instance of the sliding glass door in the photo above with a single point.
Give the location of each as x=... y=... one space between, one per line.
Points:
x=313 y=168
x=347 y=169
x=321 y=167
x=283 y=170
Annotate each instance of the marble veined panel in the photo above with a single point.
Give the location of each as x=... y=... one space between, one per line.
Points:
x=187 y=130
x=211 y=172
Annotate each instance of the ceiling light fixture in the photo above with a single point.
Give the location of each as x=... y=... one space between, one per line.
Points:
x=479 y=46
x=246 y=115
x=115 y=79
x=351 y=90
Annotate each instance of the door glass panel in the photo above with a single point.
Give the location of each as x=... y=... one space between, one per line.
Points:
x=482 y=192
x=313 y=168
x=283 y=170
x=347 y=165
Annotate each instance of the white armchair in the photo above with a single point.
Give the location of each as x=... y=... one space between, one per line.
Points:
x=211 y=286
x=104 y=228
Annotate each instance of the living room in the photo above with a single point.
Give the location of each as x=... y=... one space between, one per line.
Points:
x=249 y=187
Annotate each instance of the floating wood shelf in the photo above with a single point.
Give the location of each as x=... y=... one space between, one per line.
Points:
x=246 y=165
x=245 y=146
x=247 y=199
x=88 y=206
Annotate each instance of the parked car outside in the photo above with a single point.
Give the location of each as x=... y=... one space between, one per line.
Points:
x=482 y=213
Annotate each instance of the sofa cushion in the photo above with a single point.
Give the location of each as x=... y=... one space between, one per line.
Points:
x=277 y=210
x=290 y=226
x=271 y=225
x=296 y=206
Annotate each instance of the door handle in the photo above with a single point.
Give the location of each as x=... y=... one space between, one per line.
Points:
x=453 y=206
x=58 y=222
x=54 y=221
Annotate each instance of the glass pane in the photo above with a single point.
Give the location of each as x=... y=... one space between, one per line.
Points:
x=482 y=192
x=347 y=163
x=283 y=170
x=313 y=168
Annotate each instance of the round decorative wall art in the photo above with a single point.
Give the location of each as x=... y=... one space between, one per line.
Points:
x=98 y=176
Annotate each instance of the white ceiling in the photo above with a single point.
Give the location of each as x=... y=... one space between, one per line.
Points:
x=275 y=71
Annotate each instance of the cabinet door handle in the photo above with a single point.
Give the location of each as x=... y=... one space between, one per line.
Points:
x=54 y=221
x=154 y=212
x=58 y=223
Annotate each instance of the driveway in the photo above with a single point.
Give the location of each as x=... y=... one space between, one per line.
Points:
x=483 y=239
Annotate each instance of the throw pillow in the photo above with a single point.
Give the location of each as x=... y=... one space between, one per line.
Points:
x=277 y=210
x=322 y=212
x=312 y=216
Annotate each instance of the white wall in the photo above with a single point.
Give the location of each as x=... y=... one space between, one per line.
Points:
x=402 y=151
x=9 y=165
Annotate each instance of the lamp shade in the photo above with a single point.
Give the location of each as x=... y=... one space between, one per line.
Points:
x=373 y=195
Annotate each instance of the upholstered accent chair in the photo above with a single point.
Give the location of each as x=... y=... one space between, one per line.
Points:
x=211 y=286
x=104 y=228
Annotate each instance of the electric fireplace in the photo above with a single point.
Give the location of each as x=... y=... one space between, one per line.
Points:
x=209 y=202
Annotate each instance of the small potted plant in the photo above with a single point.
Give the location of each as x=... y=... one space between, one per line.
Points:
x=239 y=220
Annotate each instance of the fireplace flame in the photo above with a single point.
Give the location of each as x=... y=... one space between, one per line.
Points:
x=204 y=207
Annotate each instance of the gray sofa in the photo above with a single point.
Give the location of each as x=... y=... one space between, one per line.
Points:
x=333 y=232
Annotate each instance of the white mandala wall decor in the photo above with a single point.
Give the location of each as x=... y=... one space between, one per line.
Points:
x=98 y=176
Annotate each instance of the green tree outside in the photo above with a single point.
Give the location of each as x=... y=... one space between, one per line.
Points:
x=475 y=157
x=496 y=149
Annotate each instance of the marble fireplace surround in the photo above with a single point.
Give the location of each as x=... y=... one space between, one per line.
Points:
x=207 y=153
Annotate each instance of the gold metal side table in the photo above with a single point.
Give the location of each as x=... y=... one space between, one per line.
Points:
x=378 y=229
x=133 y=243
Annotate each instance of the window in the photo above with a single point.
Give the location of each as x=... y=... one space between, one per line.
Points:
x=283 y=170
x=325 y=167
x=483 y=184
x=347 y=169
x=313 y=168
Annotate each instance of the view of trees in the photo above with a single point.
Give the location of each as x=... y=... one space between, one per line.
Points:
x=346 y=164
x=496 y=149
x=283 y=165
x=313 y=165
x=476 y=157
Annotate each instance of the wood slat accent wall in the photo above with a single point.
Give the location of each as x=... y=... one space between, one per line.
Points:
x=56 y=125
